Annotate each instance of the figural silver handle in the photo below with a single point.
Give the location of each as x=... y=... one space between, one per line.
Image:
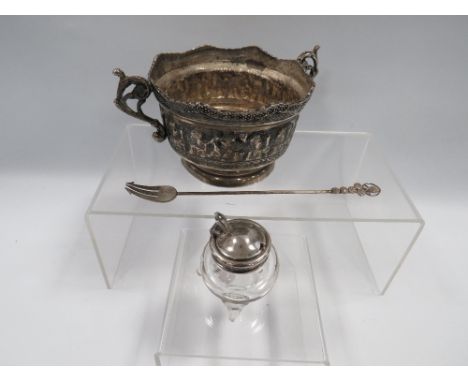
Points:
x=141 y=91
x=309 y=61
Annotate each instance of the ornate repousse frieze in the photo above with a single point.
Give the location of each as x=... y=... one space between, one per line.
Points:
x=229 y=149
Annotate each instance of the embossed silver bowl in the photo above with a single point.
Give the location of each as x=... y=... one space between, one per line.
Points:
x=229 y=113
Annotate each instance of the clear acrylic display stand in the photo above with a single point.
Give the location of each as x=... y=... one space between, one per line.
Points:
x=385 y=227
x=282 y=328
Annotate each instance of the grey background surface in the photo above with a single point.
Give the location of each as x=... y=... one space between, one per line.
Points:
x=403 y=78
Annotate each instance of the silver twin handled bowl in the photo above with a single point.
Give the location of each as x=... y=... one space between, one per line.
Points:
x=229 y=113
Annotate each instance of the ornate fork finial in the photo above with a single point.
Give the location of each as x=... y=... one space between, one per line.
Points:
x=369 y=189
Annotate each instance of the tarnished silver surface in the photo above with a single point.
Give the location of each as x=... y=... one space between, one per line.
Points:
x=229 y=113
x=163 y=194
x=239 y=245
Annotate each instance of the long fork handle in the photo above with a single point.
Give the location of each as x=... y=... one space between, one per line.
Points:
x=368 y=189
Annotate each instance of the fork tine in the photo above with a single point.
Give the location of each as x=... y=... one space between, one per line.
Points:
x=142 y=187
x=144 y=194
x=150 y=191
x=161 y=194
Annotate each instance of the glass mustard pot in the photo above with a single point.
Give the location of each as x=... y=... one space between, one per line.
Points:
x=239 y=264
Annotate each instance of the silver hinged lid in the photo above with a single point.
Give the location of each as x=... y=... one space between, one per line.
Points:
x=239 y=245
